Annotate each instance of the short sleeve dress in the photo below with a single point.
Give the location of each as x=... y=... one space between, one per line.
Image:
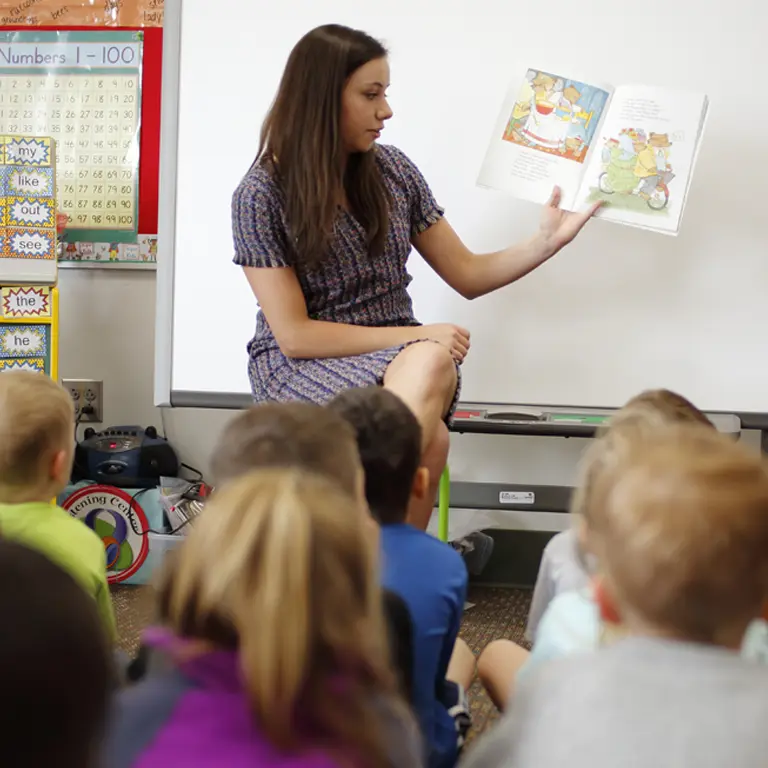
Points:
x=349 y=286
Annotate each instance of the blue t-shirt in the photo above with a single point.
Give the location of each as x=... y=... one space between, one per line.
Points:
x=431 y=578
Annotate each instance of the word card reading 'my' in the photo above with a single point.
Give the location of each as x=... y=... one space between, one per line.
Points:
x=84 y=90
x=28 y=209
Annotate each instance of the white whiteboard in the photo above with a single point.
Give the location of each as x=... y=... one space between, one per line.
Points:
x=617 y=311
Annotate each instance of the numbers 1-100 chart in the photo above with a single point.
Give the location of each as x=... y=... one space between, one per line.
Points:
x=91 y=105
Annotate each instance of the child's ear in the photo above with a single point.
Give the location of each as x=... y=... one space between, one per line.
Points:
x=606 y=603
x=61 y=466
x=420 y=485
x=582 y=532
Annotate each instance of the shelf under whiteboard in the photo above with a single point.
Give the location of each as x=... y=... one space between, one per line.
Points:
x=142 y=266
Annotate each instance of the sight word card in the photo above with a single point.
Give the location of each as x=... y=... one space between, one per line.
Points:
x=27 y=210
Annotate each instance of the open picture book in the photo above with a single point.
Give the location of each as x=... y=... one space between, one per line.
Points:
x=634 y=147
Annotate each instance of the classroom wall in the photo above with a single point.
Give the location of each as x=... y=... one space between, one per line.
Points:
x=107 y=333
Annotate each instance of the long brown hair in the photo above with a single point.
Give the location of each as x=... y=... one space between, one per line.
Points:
x=301 y=141
x=281 y=567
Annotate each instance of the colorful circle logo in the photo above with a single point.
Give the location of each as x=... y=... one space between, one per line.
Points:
x=119 y=521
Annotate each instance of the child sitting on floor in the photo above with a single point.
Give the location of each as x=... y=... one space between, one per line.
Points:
x=678 y=529
x=306 y=436
x=37 y=430
x=271 y=623
x=428 y=574
x=562 y=611
x=561 y=569
x=56 y=670
x=311 y=438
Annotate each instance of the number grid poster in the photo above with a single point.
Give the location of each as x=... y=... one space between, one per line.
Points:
x=84 y=90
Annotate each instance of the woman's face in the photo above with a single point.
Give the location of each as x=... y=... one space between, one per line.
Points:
x=364 y=107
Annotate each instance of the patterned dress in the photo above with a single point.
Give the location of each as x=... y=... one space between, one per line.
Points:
x=348 y=287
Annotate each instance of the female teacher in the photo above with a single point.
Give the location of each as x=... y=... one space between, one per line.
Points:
x=323 y=226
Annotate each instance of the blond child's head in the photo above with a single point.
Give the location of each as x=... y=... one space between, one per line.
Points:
x=647 y=412
x=678 y=525
x=661 y=407
x=280 y=568
x=293 y=435
x=36 y=437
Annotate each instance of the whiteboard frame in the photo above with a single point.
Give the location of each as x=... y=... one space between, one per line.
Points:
x=166 y=222
x=164 y=395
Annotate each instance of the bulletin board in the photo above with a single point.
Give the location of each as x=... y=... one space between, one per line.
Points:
x=138 y=81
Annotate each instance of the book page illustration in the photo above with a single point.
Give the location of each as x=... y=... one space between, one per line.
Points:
x=542 y=136
x=643 y=156
x=555 y=115
x=636 y=171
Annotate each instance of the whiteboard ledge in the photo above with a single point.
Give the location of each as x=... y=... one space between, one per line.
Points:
x=226 y=400
x=239 y=400
x=140 y=266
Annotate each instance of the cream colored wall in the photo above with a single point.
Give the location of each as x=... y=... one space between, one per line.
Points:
x=107 y=332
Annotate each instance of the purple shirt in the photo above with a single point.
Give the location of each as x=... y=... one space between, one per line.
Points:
x=196 y=714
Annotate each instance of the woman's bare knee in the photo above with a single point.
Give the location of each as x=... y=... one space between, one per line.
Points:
x=424 y=376
x=427 y=361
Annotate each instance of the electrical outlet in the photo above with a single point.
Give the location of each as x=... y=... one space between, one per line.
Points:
x=87 y=395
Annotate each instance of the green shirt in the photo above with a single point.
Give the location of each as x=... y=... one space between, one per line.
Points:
x=66 y=541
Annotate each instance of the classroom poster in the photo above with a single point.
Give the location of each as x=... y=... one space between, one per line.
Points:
x=81 y=13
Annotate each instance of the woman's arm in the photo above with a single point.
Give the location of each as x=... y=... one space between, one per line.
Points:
x=473 y=275
x=281 y=300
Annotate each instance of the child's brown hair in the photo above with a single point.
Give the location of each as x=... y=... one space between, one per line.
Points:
x=662 y=406
x=389 y=441
x=679 y=528
x=54 y=642
x=296 y=434
x=37 y=420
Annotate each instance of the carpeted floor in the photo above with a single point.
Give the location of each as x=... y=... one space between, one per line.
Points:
x=497 y=613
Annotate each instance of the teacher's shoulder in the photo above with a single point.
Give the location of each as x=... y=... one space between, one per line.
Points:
x=397 y=165
x=259 y=187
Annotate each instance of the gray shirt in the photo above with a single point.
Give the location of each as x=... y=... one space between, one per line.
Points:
x=641 y=703
x=560 y=571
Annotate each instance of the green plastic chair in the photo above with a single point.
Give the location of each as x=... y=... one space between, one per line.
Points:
x=443 y=504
